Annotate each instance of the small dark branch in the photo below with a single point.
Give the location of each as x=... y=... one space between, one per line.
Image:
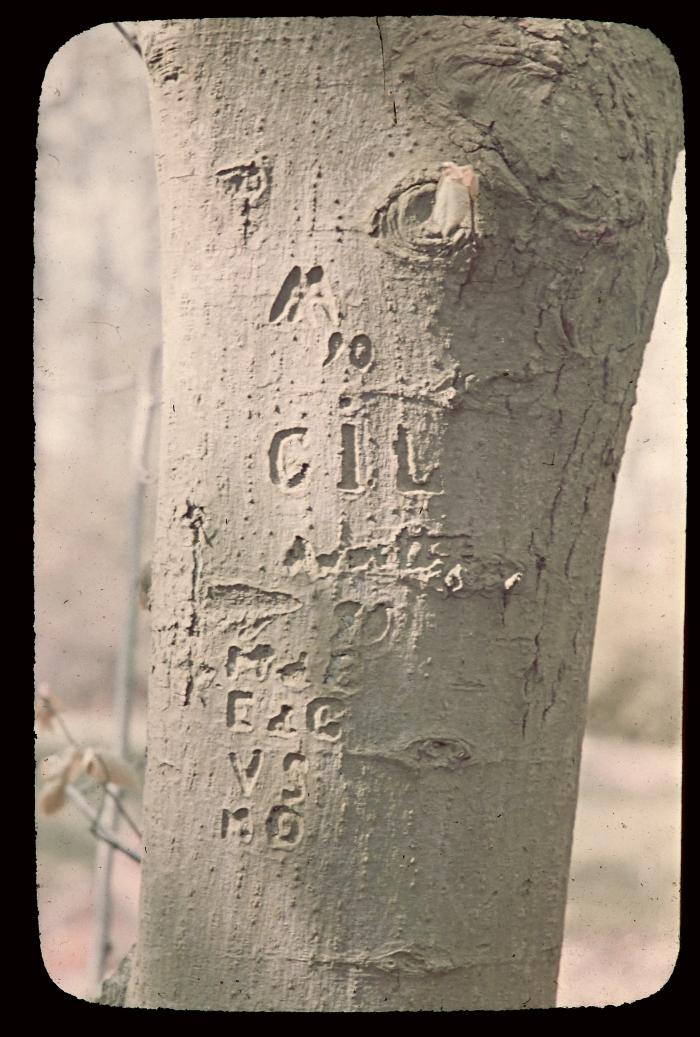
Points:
x=61 y=723
x=131 y=40
x=97 y=830
x=98 y=813
x=116 y=798
x=124 y=812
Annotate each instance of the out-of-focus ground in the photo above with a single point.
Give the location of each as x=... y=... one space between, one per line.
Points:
x=621 y=935
x=97 y=315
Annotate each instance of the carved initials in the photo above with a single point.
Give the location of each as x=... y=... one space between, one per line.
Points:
x=258 y=659
x=408 y=478
x=290 y=461
x=349 y=467
x=237 y=823
x=289 y=464
x=302 y=296
x=248 y=775
x=294 y=789
x=323 y=721
x=360 y=350
x=237 y=710
x=281 y=723
x=284 y=828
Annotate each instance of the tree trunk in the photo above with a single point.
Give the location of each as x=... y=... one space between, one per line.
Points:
x=394 y=409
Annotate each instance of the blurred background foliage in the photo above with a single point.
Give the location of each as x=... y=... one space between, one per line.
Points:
x=97 y=318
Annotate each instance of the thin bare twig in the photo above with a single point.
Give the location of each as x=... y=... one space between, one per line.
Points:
x=131 y=40
x=97 y=829
x=145 y=408
x=59 y=720
x=117 y=799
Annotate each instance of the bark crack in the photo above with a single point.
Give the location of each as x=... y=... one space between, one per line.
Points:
x=564 y=471
x=381 y=46
x=194 y=516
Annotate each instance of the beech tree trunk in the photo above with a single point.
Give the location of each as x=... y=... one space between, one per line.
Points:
x=393 y=415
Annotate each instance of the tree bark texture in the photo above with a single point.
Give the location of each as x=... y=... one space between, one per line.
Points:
x=393 y=415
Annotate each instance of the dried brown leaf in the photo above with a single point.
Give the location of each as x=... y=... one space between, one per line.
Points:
x=52 y=797
x=77 y=765
x=43 y=715
x=106 y=767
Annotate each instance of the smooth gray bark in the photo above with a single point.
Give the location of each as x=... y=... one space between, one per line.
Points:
x=392 y=423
